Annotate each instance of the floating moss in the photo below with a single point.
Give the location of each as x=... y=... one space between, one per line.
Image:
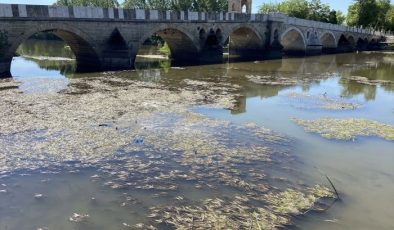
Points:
x=322 y=101
x=240 y=212
x=347 y=129
x=367 y=81
x=142 y=136
x=290 y=201
x=286 y=79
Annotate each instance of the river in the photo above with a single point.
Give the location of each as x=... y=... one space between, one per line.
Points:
x=226 y=145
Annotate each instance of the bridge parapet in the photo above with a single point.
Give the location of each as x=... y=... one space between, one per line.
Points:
x=19 y=11
x=37 y=12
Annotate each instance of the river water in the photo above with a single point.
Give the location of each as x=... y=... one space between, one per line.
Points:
x=232 y=112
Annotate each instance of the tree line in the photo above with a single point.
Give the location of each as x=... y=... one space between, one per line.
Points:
x=311 y=10
x=375 y=14
x=192 y=5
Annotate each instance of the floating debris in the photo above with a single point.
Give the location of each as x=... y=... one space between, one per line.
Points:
x=286 y=80
x=367 y=81
x=322 y=101
x=38 y=196
x=347 y=129
x=127 y=225
x=78 y=217
x=271 y=80
x=296 y=202
x=239 y=212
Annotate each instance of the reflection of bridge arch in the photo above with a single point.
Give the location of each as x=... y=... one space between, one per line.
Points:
x=87 y=57
x=245 y=41
x=293 y=41
x=328 y=41
x=182 y=44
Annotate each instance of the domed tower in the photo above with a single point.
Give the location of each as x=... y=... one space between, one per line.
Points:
x=240 y=6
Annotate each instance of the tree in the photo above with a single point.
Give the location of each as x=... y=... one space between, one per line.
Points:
x=369 y=14
x=269 y=7
x=383 y=8
x=93 y=3
x=295 y=8
x=313 y=10
x=390 y=19
x=135 y=4
x=318 y=11
x=353 y=15
x=179 y=5
x=341 y=18
x=193 y=5
x=332 y=18
x=292 y=8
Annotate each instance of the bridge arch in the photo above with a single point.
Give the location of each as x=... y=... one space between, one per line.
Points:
x=373 y=41
x=182 y=44
x=245 y=42
x=352 y=41
x=87 y=56
x=293 y=41
x=344 y=44
x=361 y=44
x=328 y=41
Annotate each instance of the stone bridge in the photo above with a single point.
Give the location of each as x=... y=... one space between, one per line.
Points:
x=109 y=39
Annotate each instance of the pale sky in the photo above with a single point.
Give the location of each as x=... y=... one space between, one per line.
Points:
x=341 y=5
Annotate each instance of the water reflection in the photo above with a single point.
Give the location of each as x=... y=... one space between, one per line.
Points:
x=44 y=48
x=65 y=67
x=374 y=66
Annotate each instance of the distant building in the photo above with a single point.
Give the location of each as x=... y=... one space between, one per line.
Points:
x=240 y=6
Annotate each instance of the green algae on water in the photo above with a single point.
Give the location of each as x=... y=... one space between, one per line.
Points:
x=347 y=129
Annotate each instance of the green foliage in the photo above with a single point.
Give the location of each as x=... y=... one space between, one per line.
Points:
x=270 y=7
x=352 y=15
x=390 y=19
x=376 y=14
x=165 y=49
x=371 y=14
x=318 y=11
x=94 y=3
x=193 y=5
x=312 y=10
x=341 y=18
x=134 y=4
x=332 y=17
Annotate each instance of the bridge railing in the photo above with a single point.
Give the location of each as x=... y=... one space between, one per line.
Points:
x=37 y=12
x=20 y=11
x=323 y=25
